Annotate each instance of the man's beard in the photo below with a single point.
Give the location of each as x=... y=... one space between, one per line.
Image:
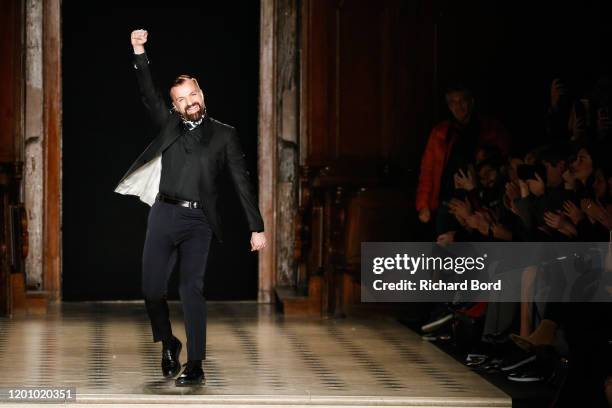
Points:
x=195 y=116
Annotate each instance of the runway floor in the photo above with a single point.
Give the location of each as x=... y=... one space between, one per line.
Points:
x=255 y=357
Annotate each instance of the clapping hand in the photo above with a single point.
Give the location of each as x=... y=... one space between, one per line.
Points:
x=464 y=181
x=460 y=208
x=595 y=211
x=553 y=219
x=513 y=192
x=572 y=212
x=480 y=221
x=537 y=185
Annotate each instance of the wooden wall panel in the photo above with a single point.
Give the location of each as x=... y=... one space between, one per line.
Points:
x=319 y=51
x=10 y=78
x=361 y=56
x=53 y=133
x=368 y=81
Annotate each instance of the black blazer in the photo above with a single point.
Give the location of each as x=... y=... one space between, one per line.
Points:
x=220 y=149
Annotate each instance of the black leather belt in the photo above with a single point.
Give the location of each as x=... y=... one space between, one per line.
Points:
x=176 y=201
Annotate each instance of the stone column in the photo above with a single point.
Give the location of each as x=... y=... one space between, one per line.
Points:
x=266 y=150
x=34 y=139
x=287 y=139
x=278 y=142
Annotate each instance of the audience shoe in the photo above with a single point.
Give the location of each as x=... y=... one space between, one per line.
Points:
x=442 y=334
x=475 y=360
x=491 y=366
x=516 y=360
x=437 y=322
x=529 y=374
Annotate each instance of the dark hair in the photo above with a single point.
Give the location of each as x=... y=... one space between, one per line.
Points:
x=593 y=149
x=459 y=87
x=495 y=163
x=586 y=190
x=554 y=154
x=491 y=152
x=179 y=80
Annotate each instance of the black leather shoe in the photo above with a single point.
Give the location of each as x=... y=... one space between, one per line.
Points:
x=192 y=375
x=170 y=363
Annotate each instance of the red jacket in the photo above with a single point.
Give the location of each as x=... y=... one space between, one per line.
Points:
x=437 y=152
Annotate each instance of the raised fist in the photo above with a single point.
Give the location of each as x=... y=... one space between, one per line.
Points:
x=139 y=38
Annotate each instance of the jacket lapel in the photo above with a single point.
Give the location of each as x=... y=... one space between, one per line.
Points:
x=169 y=134
x=173 y=132
x=142 y=179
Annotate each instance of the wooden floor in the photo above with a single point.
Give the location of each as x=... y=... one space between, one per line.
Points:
x=255 y=357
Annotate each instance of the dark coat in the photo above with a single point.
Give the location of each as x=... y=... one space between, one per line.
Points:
x=220 y=149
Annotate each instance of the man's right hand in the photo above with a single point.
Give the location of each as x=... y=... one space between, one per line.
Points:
x=424 y=215
x=139 y=38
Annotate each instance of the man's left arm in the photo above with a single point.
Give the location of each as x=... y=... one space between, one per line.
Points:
x=244 y=188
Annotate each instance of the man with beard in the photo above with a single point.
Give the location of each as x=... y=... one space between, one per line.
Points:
x=177 y=175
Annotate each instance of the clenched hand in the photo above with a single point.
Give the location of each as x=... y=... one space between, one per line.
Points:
x=139 y=38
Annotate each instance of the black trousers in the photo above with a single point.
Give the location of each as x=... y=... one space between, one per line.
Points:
x=183 y=235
